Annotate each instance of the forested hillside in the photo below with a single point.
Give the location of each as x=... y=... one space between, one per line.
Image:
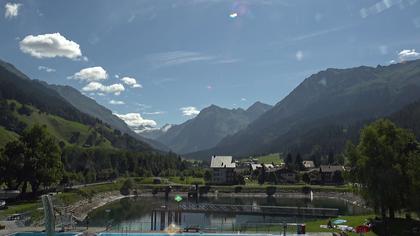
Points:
x=90 y=149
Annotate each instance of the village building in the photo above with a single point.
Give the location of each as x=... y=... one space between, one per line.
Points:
x=331 y=173
x=223 y=170
x=308 y=164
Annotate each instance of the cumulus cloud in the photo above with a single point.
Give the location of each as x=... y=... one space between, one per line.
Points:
x=115 y=102
x=50 y=46
x=136 y=122
x=408 y=54
x=90 y=74
x=46 y=69
x=189 y=111
x=11 y=10
x=96 y=86
x=131 y=82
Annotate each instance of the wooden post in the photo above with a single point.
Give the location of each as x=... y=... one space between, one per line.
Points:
x=151 y=221
x=162 y=220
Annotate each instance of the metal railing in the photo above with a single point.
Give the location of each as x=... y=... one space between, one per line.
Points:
x=248 y=227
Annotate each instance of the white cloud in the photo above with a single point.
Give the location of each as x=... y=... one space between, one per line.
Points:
x=166 y=127
x=46 y=69
x=379 y=7
x=243 y=99
x=154 y=113
x=131 y=82
x=136 y=122
x=189 y=111
x=50 y=46
x=90 y=74
x=299 y=55
x=117 y=76
x=408 y=54
x=233 y=15
x=11 y=10
x=96 y=86
x=115 y=102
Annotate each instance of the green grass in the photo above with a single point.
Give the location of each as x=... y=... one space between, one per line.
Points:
x=270 y=158
x=6 y=136
x=20 y=207
x=311 y=226
x=60 y=128
x=189 y=180
x=353 y=221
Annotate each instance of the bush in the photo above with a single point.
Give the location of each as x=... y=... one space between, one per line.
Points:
x=203 y=189
x=306 y=189
x=238 y=189
x=126 y=187
x=270 y=190
x=155 y=191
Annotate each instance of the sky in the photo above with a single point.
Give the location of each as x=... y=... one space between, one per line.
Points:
x=154 y=62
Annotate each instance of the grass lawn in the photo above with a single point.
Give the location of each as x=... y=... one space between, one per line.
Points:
x=20 y=207
x=353 y=221
x=311 y=226
x=270 y=158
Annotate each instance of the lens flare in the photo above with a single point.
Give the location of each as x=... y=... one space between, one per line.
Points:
x=172 y=229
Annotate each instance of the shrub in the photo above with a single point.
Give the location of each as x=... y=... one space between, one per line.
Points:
x=155 y=191
x=126 y=187
x=203 y=189
x=306 y=189
x=270 y=190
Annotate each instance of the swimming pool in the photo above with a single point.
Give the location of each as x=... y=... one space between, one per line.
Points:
x=187 y=234
x=44 y=234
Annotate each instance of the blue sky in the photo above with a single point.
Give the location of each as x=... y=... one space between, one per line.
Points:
x=187 y=54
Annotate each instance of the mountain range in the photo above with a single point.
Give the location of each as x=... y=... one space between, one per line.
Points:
x=25 y=102
x=91 y=107
x=327 y=105
x=317 y=118
x=207 y=129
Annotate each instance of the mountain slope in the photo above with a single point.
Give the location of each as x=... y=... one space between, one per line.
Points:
x=209 y=127
x=92 y=108
x=336 y=98
x=24 y=102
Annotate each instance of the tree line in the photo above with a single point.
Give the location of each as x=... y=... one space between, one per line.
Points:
x=36 y=160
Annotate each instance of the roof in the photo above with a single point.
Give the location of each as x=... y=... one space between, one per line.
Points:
x=330 y=168
x=222 y=162
x=308 y=164
x=255 y=166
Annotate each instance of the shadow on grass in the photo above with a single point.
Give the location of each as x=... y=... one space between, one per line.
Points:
x=397 y=227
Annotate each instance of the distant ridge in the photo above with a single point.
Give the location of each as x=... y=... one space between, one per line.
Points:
x=207 y=128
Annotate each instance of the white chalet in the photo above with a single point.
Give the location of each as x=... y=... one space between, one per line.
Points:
x=223 y=170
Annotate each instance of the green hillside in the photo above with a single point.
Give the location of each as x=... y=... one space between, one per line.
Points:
x=6 y=136
x=65 y=131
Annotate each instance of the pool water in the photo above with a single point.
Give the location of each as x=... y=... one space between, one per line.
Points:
x=189 y=234
x=44 y=234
